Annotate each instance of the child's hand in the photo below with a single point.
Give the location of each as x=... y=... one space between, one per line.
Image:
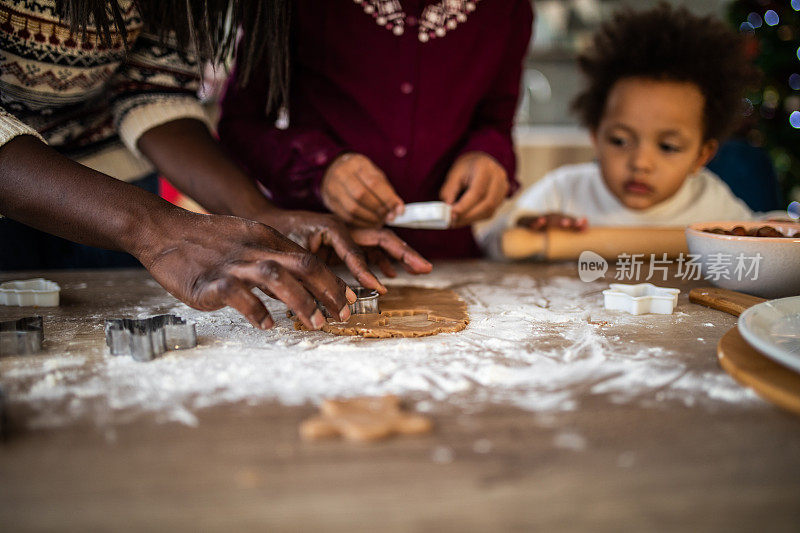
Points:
x=553 y=220
x=357 y=191
x=475 y=186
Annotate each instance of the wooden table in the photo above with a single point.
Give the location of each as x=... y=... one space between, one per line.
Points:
x=666 y=466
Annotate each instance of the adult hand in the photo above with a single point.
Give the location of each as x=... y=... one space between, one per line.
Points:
x=315 y=231
x=359 y=192
x=553 y=220
x=207 y=261
x=210 y=261
x=475 y=187
x=382 y=244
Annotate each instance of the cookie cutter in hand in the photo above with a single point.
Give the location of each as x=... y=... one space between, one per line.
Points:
x=423 y=215
x=21 y=337
x=366 y=304
x=147 y=338
x=38 y=291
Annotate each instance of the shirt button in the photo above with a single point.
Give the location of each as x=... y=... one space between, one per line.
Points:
x=411 y=21
x=406 y=88
x=320 y=158
x=400 y=151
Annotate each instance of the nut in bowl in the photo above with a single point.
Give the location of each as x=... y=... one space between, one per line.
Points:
x=737 y=256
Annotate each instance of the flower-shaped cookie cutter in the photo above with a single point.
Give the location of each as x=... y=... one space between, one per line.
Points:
x=38 y=291
x=641 y=298
x=146 y=338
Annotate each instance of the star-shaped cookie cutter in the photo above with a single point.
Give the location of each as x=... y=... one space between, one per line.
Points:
x=641 y=298
x=146 y=338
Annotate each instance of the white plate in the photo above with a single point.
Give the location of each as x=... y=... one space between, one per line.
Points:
x=773 y=328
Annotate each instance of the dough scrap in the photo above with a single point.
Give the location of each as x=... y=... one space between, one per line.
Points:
x=363 y=419
x=406 y=311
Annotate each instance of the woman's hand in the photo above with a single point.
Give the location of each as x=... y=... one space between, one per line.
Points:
x=553 y=220
x=359 y=192
x=210 y=261
x=316 y=231
x=206 y=261
x=475 y=186
x=380 y=247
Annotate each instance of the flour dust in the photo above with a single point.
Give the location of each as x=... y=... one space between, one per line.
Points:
x=541 y=346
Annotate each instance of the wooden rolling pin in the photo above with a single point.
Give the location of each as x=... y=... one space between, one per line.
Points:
x=609 y=242
x=732 y=302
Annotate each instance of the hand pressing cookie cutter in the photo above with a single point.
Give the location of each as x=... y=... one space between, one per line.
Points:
x=641 y=298
x=423 y=215
x=146 y=338
x=366 y=302
x=21 y=337
x=38 y=291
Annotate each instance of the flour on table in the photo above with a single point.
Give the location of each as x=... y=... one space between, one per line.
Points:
x=540 y=347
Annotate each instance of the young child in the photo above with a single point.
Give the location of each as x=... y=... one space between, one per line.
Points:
x=664 y=87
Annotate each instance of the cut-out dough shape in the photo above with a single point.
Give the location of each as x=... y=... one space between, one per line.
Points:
x=406 y=312
x=363 y=419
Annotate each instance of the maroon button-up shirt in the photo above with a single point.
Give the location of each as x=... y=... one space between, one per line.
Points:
x=412 y=107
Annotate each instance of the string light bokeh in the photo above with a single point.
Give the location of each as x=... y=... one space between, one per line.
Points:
x=773 y=32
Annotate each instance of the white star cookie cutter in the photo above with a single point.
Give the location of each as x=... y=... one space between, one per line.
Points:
x=641 y=299
x=39 y=292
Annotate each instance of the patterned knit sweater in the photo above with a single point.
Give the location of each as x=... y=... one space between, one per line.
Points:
x=89 y=101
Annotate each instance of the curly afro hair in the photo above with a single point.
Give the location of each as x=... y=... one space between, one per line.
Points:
x=668 y=44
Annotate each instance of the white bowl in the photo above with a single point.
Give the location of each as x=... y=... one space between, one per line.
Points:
x=777 y=273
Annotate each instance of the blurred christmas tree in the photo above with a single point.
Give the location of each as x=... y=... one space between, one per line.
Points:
x=773 y=32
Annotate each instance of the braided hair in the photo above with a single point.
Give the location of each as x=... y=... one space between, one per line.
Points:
x=208 y=27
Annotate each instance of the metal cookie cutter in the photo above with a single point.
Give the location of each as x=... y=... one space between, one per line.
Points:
x=3 y=418
x=366 y=302
x=147 y=338
x=21 y=337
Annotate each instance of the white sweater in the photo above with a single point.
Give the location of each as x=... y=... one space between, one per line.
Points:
x=579 y=191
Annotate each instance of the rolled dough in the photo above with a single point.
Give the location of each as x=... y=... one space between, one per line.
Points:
x=406 y=311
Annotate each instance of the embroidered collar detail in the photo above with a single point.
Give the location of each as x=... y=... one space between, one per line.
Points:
x=436 y=20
